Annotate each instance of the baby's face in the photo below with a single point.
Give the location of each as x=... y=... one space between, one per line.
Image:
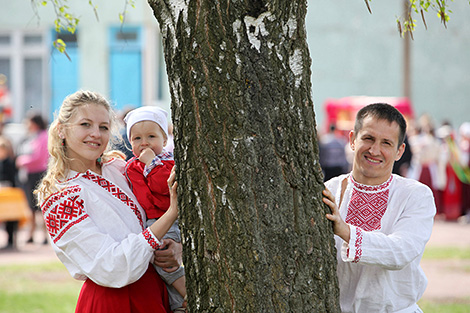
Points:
x=147 y=134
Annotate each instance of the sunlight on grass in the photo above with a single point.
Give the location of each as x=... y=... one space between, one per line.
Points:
x=40 y=288
x=439 y=253
x=460 y=306
x=48 y=287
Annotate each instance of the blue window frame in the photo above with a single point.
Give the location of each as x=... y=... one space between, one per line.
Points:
x=64 y=72
x=125 y=66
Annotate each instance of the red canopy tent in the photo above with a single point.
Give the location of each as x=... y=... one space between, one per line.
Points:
x=342 y=112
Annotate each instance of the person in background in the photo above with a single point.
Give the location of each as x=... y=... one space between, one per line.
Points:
x=170 y=144
x=425 y=148
x=31 y=161
x=124 y=145
x=464 y=147
x=381 y=221
x=332 y=154
x=96 y=225
x=147 y=174
x=5 y=99
x=402 y=166
x=8 y=179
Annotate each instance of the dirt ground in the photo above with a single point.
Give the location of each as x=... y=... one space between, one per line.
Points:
x=449 y=280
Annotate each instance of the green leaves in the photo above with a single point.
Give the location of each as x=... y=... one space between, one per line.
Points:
x=60 y=45
x=65 y=19
x=122 y=15
x=407 y=23
x=421 y=7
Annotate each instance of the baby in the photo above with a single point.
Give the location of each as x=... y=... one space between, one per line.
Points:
x=147 y=173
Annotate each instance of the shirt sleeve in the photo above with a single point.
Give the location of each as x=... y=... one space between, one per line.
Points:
x=87 y=250
x=410 y=233
x=148 y=168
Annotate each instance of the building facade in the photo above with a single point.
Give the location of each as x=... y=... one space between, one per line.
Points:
x=123 y=61
x=354 y=53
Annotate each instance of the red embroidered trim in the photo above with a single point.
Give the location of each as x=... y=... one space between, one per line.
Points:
x=368 y=205
x=150 y=239
x=62 y=210
x=358 y=245
x=56 y=196
x=362 y=187
x=68 y=227
x=366 y=210
x=116 y=192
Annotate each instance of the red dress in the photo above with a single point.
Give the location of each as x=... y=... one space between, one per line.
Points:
x=143 y=296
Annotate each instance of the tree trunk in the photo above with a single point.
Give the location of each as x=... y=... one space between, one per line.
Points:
x=255 y=235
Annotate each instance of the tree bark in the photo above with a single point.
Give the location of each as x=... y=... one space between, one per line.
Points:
x=255 y=236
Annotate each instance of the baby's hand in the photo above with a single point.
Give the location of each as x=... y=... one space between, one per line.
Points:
x=146 y=156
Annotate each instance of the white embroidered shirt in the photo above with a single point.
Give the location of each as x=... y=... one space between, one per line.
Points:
x=97 y=229
x=378 y=270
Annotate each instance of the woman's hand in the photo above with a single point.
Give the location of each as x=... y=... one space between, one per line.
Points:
x=170 y=258
x=340 y=228
x=163 y=224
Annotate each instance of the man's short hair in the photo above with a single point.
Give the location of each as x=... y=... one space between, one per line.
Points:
x=382 y=111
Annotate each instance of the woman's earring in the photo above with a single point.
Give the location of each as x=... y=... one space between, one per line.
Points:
x=61 y=136
x=98 y=160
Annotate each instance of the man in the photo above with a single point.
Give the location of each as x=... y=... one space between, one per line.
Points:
x=382 y=221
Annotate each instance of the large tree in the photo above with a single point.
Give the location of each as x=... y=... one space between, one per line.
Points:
x=254 y=232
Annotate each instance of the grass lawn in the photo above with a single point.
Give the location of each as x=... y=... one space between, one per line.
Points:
x=49 y=288
x=39 y=288
x=463 y=306
x=441 y=253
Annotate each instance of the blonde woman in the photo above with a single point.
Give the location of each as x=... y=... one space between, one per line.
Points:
x=95 y=222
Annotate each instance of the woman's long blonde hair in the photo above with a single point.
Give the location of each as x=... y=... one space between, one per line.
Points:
x=59 y=163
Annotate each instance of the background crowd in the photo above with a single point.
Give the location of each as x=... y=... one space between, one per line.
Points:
x=436 y=156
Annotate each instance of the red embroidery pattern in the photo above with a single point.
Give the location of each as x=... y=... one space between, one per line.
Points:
x=58 y=195
x=358 y=245
x=116 y=192
x=368 y=205
x=150 y=239
x=62 y=210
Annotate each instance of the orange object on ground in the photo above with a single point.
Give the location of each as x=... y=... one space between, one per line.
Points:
x=14 y=205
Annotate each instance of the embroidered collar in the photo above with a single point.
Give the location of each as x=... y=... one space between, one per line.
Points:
x=72 y=175
x=367 y=188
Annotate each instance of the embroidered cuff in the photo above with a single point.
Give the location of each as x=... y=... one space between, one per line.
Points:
x=352 y=251
x=151 y=239
x=148 y=168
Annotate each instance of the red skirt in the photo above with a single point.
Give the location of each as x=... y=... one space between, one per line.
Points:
x=147 y=295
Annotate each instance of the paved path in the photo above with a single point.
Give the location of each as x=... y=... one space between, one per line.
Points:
x=449 y=280
x=26 y=253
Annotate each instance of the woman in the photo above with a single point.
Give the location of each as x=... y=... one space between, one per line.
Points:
x=32 y=160
x=94 y=220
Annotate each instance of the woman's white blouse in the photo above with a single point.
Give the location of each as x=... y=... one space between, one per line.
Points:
x=97 y=227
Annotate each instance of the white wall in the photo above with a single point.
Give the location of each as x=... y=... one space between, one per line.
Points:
x=356 y=53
